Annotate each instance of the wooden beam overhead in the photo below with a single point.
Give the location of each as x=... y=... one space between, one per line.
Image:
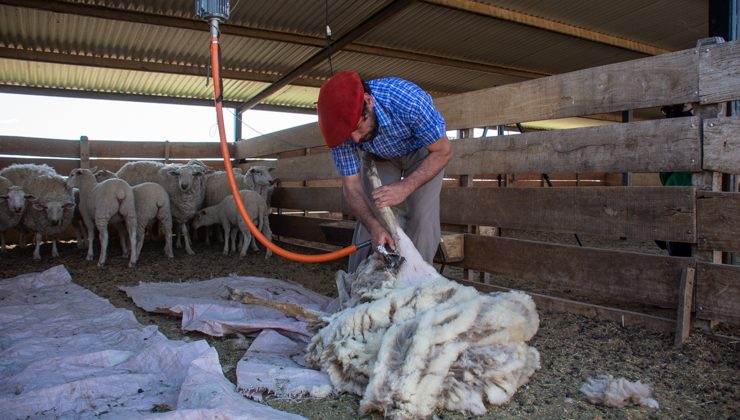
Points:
x=359 y=30
x=549 y=25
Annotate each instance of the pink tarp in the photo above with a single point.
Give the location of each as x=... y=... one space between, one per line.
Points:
x=274 y=361
x=65 y=352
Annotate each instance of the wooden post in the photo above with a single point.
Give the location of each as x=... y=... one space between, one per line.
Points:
x=685 y=303
x=166 y=151
x=84 y=152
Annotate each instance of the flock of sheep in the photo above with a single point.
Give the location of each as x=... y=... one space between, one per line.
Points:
x=34 y=198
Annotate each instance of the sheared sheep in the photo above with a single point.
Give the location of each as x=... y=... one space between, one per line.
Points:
x=12 y=205
x=412 y=342
x=102 y=203
x=227 y=215
x=152 y=202
x=50 y=213
x=257 y=178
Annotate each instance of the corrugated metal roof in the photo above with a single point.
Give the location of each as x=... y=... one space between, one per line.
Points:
x=159 y=48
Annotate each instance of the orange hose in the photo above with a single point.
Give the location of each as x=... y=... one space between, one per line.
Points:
x=330 y=256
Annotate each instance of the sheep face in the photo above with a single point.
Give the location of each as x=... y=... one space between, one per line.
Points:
x=54 y=210
x=187 y=175
x=16 y=199
x=205 y=217
x=74 y=178
x=262 y=175
x=103 y=174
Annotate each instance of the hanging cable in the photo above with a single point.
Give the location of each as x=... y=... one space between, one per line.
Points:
x=218 y=101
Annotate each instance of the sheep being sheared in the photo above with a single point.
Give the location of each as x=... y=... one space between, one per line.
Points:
x=411 y=342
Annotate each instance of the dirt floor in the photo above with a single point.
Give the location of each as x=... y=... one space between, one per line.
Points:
x=700 y=381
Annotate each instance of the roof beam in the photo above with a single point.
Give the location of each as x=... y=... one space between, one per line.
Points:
x=131 y=97
x=147 y=66
x=550 y=25
x=264 y=34
x=359 y=30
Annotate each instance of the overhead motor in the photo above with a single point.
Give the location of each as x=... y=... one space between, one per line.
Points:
x=212 y=9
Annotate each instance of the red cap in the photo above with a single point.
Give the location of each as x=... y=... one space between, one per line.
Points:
x=340 y=106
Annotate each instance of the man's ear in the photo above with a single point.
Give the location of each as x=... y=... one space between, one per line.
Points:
x=369 y=100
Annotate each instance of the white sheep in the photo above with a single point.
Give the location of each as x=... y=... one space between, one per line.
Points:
x=227 y=215
x=184 y=184
x=152 y=202
x=257 y=178
x=107 y=202
x=50 y=213
x=12 y=205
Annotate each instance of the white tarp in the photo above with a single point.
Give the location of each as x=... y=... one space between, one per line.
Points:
x=65 y=352
x=274 y=361
x=205 y=306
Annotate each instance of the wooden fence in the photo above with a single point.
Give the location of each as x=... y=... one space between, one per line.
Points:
x=707 y=144
x=704 y=215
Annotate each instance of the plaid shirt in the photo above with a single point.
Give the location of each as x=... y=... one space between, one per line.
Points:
x=407 y=121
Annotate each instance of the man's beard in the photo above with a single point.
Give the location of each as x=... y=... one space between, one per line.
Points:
x=371 y=134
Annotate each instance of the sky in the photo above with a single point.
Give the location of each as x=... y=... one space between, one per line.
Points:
x=70 y=118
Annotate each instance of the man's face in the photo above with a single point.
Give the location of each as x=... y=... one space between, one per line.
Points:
x=367 y=127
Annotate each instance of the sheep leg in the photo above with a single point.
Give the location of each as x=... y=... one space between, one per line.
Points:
x=246 y=239
x=267 y=233
x=37 y=249
x=227 y=229
x=102 y=225
x=186 y=238
x=90 y=239
x=131 y=228
x=165 y=224
x=122 y=240
x=234 y=234
x=54 y=251
x=140 y=233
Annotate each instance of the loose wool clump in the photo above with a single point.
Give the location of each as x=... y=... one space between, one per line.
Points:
x=412 y=342
x=617 y=392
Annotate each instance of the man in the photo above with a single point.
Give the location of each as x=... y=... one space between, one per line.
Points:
x=395 y=123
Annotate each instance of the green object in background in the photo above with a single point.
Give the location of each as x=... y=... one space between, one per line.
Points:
x=676 y=179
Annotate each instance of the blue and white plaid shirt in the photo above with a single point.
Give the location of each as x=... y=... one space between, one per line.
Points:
x=407 y=121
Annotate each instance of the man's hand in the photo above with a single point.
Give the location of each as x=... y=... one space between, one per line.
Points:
x=391 y=195
x=380 y=236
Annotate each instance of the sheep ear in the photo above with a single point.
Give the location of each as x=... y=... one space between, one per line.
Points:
x=39 y=206
x=69 y=205
x=172 y=172
x=30 y=197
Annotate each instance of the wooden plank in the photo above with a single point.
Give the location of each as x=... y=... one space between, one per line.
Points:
x=718 y=293
x=298 y=227
x=722 y=145
x=197 y=150
x=648 y=82
x=685 y=301
x=452 y=247
x=718 y=221
x=617 y=276
x=630 y=212
x=304 y=168
x=339 y=232
x=646 y=146
x=62 y=166
x=126 y=149
x=719 y=73
x=296 y=138
x=310 y=198
x=33 y=146
x=620 y=316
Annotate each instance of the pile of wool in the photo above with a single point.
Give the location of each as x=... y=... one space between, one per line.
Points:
x=412 y=342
